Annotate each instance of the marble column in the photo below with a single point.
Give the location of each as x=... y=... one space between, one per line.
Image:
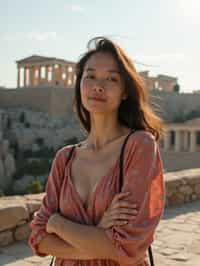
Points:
x=31 y=77
x=39 y=74
x=25 y=78
x=66 y=76
x=177 y=140
x=63 y=73
x=192 y=140
x=167 y=140
x=60 y=74
x=185 y=140
x=74 y=79
x=53 y=75
x=46 y=74
x=18 y=77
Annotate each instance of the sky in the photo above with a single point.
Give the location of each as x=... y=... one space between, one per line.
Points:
x=160 y=36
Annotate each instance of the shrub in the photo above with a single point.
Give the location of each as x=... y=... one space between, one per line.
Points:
x=34 y=168
x=35 y=187
x=70 y=141
x=44 y=152
x=39 y=141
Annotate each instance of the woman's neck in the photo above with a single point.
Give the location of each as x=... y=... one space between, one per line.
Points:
x=99 y=138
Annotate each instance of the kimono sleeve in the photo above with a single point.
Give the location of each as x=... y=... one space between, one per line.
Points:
x=143 y=177
x=49 y=203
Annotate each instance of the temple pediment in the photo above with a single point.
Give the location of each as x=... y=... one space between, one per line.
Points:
x=40 y=59
x=34 y=59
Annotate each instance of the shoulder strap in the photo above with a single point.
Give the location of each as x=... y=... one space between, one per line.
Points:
x=121 y=159
x=70 y=154
x=121 y=183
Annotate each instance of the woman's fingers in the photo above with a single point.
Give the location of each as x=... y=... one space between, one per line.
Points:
x=119 y=196
x=126 y=203
x=123 y=216
x=126 y=211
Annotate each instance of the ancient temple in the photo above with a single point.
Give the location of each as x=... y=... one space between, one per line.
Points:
x=159 y=82
x=41 y=71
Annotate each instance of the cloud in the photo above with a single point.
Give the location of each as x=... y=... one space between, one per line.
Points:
x=75 y=8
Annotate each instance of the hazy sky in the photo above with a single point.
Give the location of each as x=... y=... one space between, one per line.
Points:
x=164 y=35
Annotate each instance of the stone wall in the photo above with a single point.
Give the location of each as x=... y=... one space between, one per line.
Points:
x=176 y=161
x=53 y=130
x=16 y=212
x=57 y=101
x=173 y=104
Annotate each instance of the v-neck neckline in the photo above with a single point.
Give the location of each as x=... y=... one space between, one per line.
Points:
x=109 y=173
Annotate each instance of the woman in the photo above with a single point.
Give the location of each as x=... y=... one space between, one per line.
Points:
x=95 y=223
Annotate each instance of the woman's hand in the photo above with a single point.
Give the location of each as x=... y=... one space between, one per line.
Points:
x=119 y=212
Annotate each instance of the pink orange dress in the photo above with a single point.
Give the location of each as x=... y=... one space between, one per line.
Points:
x=143 y=177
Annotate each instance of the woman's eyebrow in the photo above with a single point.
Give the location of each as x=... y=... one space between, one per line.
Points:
x=110 y=70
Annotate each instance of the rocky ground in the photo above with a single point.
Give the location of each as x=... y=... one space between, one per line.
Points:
x=177 y=241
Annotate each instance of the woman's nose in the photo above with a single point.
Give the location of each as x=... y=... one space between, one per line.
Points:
x=98 y=86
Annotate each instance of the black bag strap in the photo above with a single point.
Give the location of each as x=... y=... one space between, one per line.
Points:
x=68 y=158
x=121 y=183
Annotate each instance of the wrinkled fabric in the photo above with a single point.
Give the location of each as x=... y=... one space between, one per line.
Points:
x=142 y=176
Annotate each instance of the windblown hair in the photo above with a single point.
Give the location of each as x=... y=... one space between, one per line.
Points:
x=135 y=111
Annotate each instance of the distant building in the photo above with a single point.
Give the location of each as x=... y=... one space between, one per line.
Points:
x=161 y=82
x=182 y=136
x=41 y=71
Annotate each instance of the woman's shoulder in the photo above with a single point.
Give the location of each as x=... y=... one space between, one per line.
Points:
x=142 y=136
x=64 y=151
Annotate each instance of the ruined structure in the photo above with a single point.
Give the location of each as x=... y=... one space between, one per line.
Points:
x=182 y=136
x=40 y=71
x=161 y=82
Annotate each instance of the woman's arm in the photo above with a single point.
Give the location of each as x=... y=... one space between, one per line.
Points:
x=52 y=244
x=85 y=238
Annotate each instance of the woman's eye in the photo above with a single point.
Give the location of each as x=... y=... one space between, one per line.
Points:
x=89 y=77
x=112 y=79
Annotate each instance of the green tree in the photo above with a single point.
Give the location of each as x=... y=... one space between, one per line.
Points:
x=176 y=88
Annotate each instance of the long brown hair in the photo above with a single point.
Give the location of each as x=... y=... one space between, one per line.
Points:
x=134 y=112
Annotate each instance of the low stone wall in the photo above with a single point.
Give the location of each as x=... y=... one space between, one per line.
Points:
x=16 y=212
x=182 y=186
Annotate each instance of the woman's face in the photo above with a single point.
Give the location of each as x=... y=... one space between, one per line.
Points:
x=101 y=86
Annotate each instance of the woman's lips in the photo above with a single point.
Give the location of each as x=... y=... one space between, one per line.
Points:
x=97 y=99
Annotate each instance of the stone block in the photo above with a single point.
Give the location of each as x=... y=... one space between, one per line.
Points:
x=197 y=189
x=12 y=215
x=186 y=189
x=6 y=238
x=177 y=198
x=22 y=232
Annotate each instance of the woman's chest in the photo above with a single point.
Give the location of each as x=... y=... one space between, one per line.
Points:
x=87 y=176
